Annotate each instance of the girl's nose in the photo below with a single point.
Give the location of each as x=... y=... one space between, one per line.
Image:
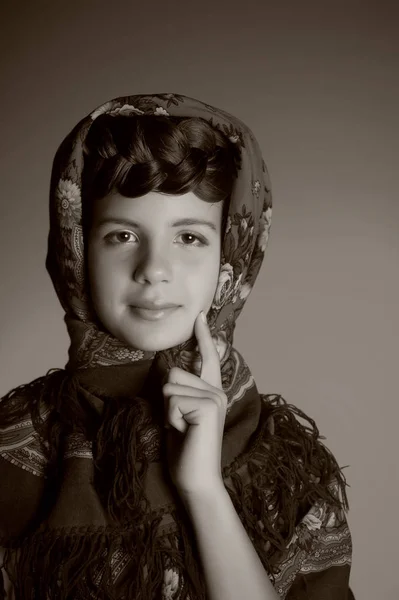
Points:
x=153 y=267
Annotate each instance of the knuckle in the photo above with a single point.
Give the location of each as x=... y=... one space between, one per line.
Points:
x=174 y=402
x=166 y=389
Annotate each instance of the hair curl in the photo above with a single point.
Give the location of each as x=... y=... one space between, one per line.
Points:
x=135 y=155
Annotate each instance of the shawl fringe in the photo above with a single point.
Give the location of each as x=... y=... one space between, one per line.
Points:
x=117 y=451
x=286 y=470
x=85 y=559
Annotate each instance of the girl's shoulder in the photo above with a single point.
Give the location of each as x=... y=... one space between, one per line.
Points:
x=24 y=454
x=24 y=411
x=297 y=455
x=306 y=494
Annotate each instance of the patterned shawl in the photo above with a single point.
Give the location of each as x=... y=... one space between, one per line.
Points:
x=87 y=509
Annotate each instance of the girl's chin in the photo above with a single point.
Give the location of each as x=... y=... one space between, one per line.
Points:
x=155 y=343
x=154 y=335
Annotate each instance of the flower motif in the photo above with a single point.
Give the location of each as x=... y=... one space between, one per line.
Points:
x=225 y=286
x=161 y=111
x=221 y=343
x=233 y=133
x=192 y=361
x=265 y=222
x=292 y=540
x=77 y=250
x=251 y=231
x=170 y=584
x=126 y=110
x=171 y=98
x=244 y=224
x=332 y=520
x=256 y=188
x=99 y=111
x=69 y=201
x=266 y=217
x=125 y=354
x=236 y=288
x=228 y=224
x=245 y=291
x=262 y=240
x=311 y=521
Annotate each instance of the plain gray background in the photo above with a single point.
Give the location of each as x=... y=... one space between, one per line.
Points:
x=318 y=84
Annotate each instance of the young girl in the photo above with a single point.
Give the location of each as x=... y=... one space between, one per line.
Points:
x=151 y=466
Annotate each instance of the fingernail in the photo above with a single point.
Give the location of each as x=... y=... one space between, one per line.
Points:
x=203 y=317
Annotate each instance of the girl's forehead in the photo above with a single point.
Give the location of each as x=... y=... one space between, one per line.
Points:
x=156 y=207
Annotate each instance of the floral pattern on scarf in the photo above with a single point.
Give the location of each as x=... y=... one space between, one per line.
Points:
x=243 y=247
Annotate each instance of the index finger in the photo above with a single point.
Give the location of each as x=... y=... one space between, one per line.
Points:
x=210 y=368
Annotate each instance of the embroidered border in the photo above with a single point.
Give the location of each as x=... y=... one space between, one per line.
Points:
x=21 y=445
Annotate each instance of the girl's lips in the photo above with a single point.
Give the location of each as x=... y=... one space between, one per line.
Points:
x=153 y=315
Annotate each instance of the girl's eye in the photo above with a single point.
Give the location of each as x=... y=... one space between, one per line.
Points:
x=202 y=241
x=120 y=236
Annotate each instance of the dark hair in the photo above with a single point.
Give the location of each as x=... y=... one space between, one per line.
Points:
x=135 y=155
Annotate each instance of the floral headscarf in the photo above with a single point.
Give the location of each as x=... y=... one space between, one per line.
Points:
x=243 y=249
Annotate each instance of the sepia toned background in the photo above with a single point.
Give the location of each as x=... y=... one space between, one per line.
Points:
x=318 y=84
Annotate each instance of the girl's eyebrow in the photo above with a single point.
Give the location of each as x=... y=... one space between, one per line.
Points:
x=179 y=223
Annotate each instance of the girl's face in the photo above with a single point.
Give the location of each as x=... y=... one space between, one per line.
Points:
x=140 y=250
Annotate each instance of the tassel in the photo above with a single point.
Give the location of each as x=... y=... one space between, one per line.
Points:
x=117 y=451
x=285 y=474
x=61 y=564
x=115 y=435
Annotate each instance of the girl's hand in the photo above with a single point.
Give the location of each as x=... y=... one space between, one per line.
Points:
x=195 y=411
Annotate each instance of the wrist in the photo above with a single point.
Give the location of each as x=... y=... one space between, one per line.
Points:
x=207 y=493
